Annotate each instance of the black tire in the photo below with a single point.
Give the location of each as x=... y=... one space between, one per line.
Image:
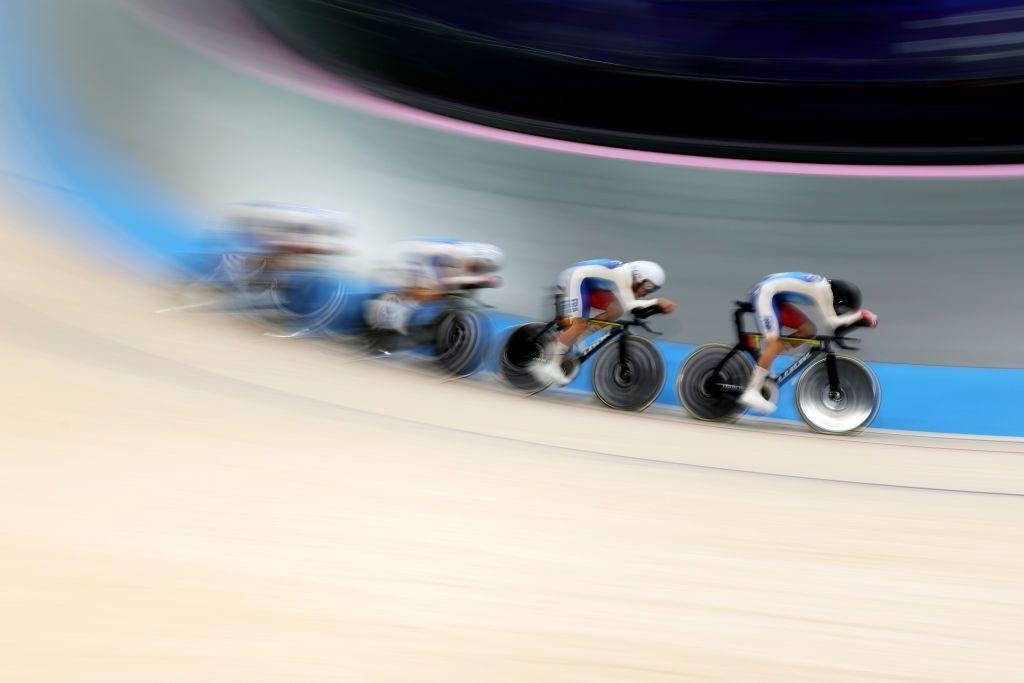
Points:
x=693 y=384
x=632 y=386
x=523 y=345
x=852 y=411
x=462 y=339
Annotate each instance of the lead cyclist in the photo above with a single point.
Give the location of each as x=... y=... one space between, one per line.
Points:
x=773 y=298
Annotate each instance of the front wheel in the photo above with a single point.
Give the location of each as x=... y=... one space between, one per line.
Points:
x=631 y=382
x=846 y=411
x=462 y=339
x=700 y=389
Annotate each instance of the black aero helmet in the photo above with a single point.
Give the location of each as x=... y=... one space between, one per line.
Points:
x=845 y=296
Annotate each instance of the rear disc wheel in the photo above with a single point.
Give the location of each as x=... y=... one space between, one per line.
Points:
x=523 y=346
x=697 y=384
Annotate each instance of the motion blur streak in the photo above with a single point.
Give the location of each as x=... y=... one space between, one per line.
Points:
x=187 y=498
x=211 y=137
x=218 y=28
x=174 y=512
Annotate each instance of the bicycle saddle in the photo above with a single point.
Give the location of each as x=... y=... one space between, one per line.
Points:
x=745 y=306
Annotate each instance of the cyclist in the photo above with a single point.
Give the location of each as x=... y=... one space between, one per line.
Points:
x=260 y=241
x=284 y=231
x=612 y=287
x=773 y=299
x=432 y=267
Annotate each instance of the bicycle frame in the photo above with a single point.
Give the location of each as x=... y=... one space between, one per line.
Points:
x=748 y=342
x=615 y=329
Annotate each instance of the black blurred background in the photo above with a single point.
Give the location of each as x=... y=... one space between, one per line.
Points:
x=851 y=82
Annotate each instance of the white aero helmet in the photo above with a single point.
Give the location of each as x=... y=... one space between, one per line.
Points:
x=487 y=256
x=648 y=271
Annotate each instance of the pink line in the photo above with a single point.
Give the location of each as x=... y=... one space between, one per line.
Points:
x=223 y=31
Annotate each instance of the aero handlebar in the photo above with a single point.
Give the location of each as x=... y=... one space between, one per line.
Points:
x=639 y=316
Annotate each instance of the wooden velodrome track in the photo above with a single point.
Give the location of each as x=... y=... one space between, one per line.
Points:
x=186 y=499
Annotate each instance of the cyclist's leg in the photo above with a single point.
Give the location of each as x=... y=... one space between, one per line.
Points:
x=573 y=312
x=766 y=312
x=604 y=300
x=791 y=317
x=422 y=284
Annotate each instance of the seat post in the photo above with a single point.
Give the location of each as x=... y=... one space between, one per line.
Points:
x=742 y=308
x=738 y=321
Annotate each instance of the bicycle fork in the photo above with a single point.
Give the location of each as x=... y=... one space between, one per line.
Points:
x=624 y=365
x=834 y=390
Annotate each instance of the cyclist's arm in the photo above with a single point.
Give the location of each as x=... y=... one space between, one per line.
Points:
x=828 y=312
x=624 y=292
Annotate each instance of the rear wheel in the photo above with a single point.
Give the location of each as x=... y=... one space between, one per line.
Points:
x=523 y=346
x=847 y=411
x=698 y=385
x=632 y=383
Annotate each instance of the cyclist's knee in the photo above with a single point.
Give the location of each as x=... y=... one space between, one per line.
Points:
x=805 y=330
x=610 y=314
x=572 y=330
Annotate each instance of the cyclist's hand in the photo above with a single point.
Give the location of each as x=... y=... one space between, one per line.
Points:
x=666 y=305
x=869 y=319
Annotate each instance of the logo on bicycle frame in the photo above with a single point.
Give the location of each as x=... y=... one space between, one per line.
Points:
x=593 y=345
x=796 y=365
